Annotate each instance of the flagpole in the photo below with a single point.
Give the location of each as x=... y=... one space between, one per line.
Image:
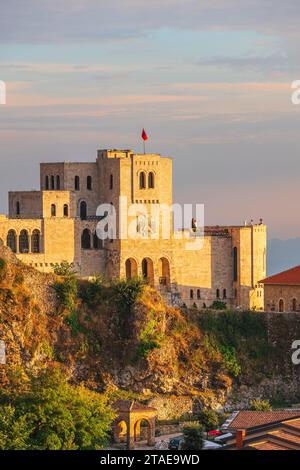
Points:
x=144 y=147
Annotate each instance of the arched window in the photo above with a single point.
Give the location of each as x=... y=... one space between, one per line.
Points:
x=24 y=242
x=294 y=305
x=148 y=270
x=12 y=240
x=142 y=180
x=198 y=294
x=57 y=182
x=191 y=294
x=218 y=293
x=35 y=241
x=47 y=182
x=86 y=239
x=77 y=183
x=235 y=264
x=151 y=180
x=83 y=210
x=111 y=181
x=89 y=183
x=52 y=182
x=164 y=272
x=18 y=211
x=97 y=242
x=66 y=210
x=224 y=294
x=281 y=305
x=53 y=210
x=131 y=268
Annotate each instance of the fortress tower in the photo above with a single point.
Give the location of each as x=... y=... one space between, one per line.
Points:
x=59 y=222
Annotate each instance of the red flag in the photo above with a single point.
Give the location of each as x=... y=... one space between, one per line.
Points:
x=144 y=135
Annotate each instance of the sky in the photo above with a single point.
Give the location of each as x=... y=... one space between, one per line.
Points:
x=209 y=80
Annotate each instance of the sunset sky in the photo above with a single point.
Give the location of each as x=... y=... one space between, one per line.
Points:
x=210 y=80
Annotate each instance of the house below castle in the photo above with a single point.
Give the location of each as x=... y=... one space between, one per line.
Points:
x=282 y=291
x=60 y=222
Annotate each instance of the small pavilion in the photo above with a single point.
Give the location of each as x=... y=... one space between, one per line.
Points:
x=127 y=425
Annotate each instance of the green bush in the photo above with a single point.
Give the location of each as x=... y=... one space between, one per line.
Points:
x=66 y=292
x=193 y=437
x=2 y=265
x=126 y=292
x=93 y=292
x=50 y=414
x=150 y=338
x=64 y=269
x=209 y=419
x=230 y=360
x=73 y=322
x=218 y=305
x=260 y=405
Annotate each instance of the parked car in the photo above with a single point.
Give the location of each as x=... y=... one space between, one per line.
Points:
x=210 y=445
x=223 y=438
x=176 y=442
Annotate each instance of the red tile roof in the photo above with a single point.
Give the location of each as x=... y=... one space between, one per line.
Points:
x=252 y=419
x=290 y=277
x=293 y=423
x=266 y=445
x=284 y=435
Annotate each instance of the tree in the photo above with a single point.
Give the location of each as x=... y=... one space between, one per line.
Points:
x=53 y=415
x=218 y=305
x=193 y=437
x=209 y=419
x=260 y=405
x=14 y=430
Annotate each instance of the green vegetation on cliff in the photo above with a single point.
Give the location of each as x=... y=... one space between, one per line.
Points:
x=241 y=339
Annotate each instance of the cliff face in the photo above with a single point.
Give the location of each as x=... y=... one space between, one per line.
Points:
x=115 y=336
x=144 y=348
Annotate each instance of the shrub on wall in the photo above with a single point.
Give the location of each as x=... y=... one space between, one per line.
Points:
x=64 y=269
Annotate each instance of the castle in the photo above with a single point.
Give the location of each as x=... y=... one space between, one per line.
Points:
x=59 y=222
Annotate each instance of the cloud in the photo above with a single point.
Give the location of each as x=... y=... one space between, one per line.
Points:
x=90 y=20
x=274 y=62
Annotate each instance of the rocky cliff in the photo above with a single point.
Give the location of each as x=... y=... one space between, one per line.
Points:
x=122 y=337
